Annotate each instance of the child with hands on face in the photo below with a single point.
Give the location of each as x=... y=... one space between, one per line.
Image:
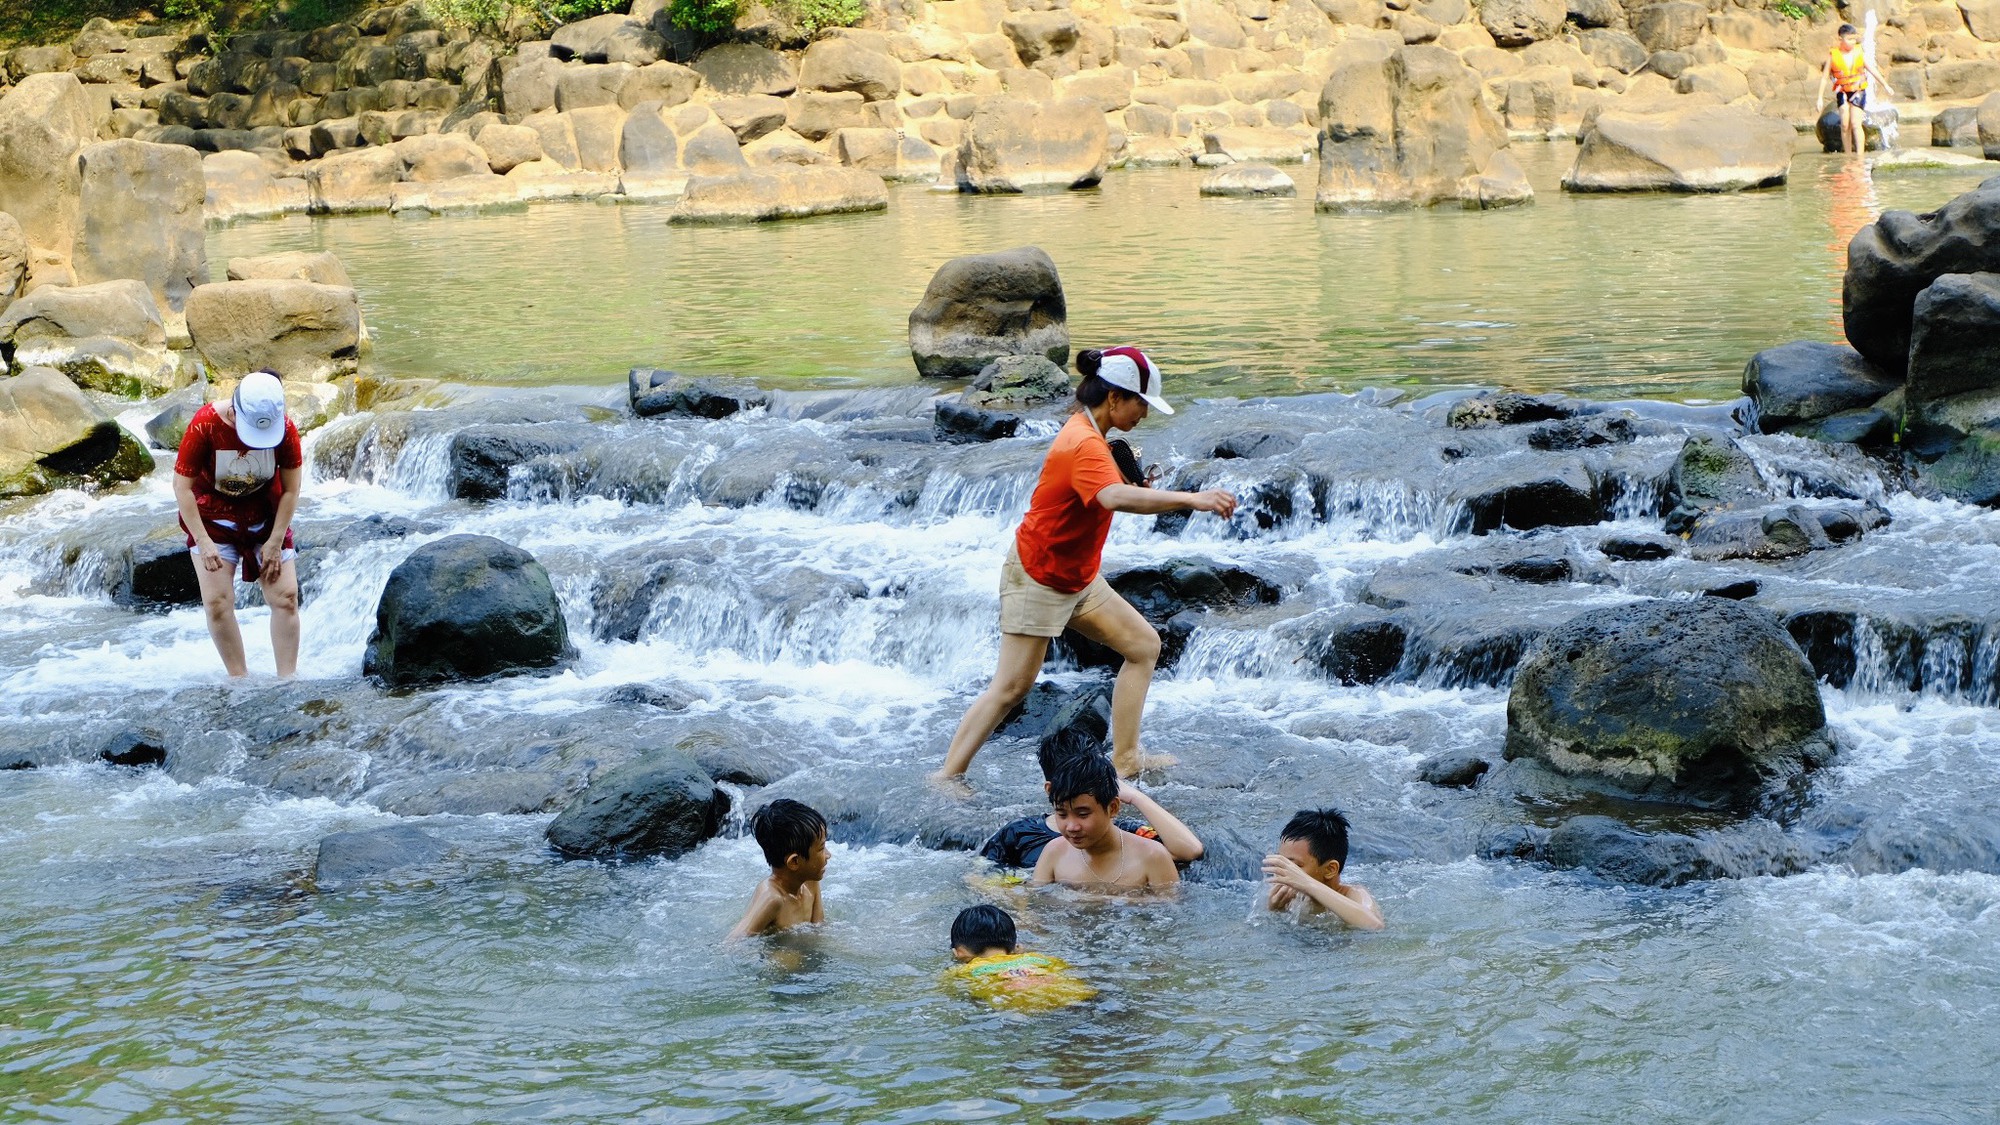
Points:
x=1312 y=853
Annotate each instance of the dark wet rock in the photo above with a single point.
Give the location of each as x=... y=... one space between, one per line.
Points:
x=1253 y=445
x=652 y=392
x=311 y=771
x=746 y=473
x=1624 y=854
x=1357 y=645
x=1172 y=596
x=1456 y=770
x=984 y=306
x=482 y=457
x=661 y=804
x=1703 y=702
x=1713 y=472
x=675 y=697
x=1515 y=841
x=1505 y=409
x=1734 y=591
x=961 y=424
x=318 y=543
x=1532 y=495
x=1781 y=531
x=466 y=607
x=165 y=429
x=486 y=793
x=1032 y=717
x=1970 y=471
x=648 y=589
x=1826 y=636
x=1082 y=726
x=1638 y=548
x=352 y=857
x=1899 y=255
x=1021 y=380
x=1538 y=569
x=1583 y=433
x=1955 y=335
x=1966 y=840
x=160 y=575
x=1805 y=381
x=135 y=748
x=1870 y=427
x=11 y=760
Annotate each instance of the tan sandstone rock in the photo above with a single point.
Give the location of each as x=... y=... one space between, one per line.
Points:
x=141 y=218
x=1412 y=130
x=239 y=185
x=108 y=336
x=298 y=329
x=780 y=192
x=1671 y=148
x=45 y=121
x=1013 y=145
x=321 y=267
x=53 y=435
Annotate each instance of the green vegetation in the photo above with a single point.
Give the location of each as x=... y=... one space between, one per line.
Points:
x=493 y=13
x=1801 y=9
x=55 y=21
x=813 y=16
x=704 y=17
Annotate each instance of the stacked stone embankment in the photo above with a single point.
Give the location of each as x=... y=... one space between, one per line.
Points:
x=398 y=111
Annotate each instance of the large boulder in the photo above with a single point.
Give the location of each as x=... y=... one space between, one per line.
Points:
x=608 y=39
x=141 y=218
x=1704 y=702
x=1411 y=129
x=44 y=123
x=300 y=330
x=466 y=607
x=740 y=69
x=15 y=256
x=108 y=336
x=659 y=804
x=435 y=157
x=1248 y=180
x=240 y=186
x=762 y=194
x=1986 y=126
x=1899 y=255
x=1014 y=145
x=837 y=65
x=1805 y=380
x=984 y=306
x=53 y=436
x=349 y=858
x=361 y=180
x=1955 y=337
x=321 y=267
x=1517 y=23
x=1667 y=148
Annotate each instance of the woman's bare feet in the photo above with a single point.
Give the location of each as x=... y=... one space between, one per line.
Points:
x=952 y=785
x=1128 y=768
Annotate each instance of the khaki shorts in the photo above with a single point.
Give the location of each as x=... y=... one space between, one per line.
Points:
x=1029 y=608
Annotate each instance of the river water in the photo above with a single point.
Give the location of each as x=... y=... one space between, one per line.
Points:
x=169 y=959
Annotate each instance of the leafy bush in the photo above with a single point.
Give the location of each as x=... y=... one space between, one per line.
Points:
x=813 y=16
x=1801 y=9
x=704 y=17
x=492 y=13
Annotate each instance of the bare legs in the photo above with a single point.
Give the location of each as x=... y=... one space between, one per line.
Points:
x=1852 y=137
x=1113 y=624
x=1020 y=660
x=218 y=601
x=1118 y=627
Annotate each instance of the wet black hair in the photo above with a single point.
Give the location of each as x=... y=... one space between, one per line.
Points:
x=785 y=828
x=1084 y=775
x=1847 y=29
x=983 y=927
x=1323 y=830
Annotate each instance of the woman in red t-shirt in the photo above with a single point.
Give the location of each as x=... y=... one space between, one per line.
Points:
x=1050 y=580
x=236 y=483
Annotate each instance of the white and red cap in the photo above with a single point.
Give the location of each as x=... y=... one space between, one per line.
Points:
x=1129 y=369
x=260 y=410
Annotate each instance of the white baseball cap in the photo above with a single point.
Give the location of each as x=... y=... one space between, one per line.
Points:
x=1130 y=369
x=260 y=410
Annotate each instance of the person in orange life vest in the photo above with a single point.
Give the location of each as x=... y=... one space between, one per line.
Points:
x=236 y=483
x=1050 y=580
x=1847 y=70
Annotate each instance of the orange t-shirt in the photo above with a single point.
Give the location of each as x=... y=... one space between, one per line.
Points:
x=1062 y=537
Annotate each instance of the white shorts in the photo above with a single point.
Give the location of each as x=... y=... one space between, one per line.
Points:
x=234 y=557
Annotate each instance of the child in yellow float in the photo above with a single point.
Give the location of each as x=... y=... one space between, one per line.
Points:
x=993 y=968
x=1847 y=70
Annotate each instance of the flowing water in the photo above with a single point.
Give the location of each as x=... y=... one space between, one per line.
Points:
x=823 y=605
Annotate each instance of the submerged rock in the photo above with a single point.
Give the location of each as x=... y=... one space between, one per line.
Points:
x=1505 y=408
x=661 y=804
x=1622 y=853
x=466 y=607
x=1456 y=770
x=135 y=748
x=1703 y=702
x=779 y=192
x=1805 y=381
x=1257 y=180
x=350 y=857
x=652 y=392
x=981 y=307
x=960 y=423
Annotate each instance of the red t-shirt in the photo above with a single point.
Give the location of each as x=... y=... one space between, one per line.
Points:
x=1062 y=537
x=231 y=480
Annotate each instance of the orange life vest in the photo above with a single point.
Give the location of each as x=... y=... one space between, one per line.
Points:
x=1850 y=70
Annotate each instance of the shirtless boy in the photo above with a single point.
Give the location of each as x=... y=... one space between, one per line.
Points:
x=793 y=836
x=1312 y=852
x=1093 y=853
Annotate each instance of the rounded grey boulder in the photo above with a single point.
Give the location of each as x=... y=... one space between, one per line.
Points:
x=984 y=306
x=1703 y=702
x=661 y=804
x=466 y=607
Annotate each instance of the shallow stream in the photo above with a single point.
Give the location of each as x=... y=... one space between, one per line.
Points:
x=825 y=614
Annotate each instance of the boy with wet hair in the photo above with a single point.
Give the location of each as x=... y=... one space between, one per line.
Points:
x=1312 y=852
x=1019 y=843
x=793 y=836
x=993 y=968
x=1092 y=853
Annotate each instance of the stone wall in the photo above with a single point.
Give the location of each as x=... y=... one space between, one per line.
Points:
x=622 y=104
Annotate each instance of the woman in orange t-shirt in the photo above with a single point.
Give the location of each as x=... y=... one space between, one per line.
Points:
x=1050 y=580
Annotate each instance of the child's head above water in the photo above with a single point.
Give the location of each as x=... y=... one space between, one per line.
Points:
x=1084 y=794
x=980 y=930
x=1316 y=840
x=793 y=836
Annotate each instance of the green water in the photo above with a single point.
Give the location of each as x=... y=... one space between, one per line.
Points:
x=1607 y=296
